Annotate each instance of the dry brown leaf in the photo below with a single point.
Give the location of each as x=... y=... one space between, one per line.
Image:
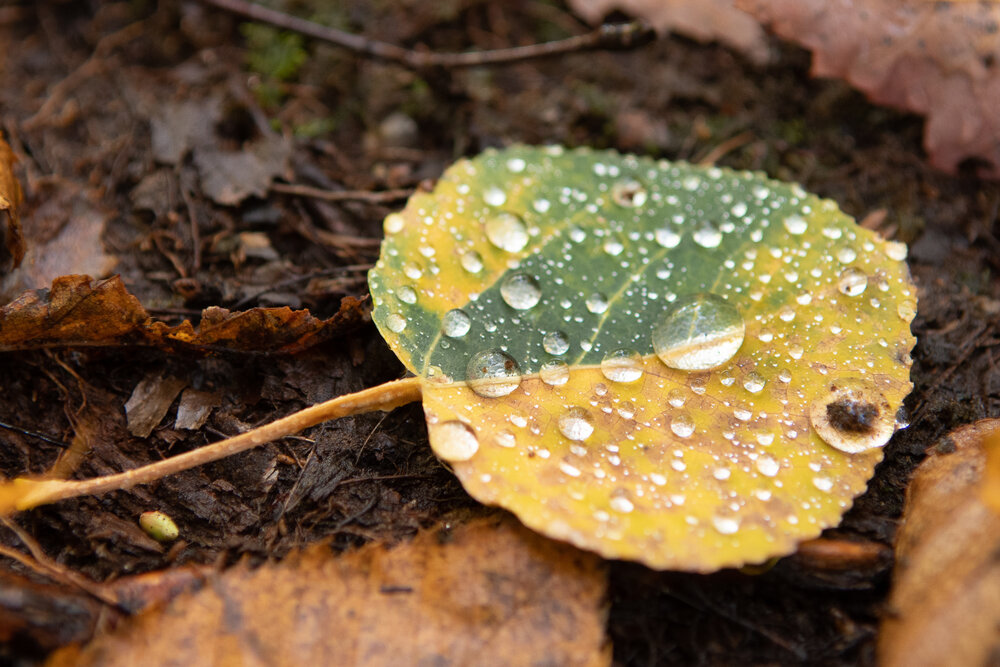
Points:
x=11 y=241
x=77 y=311
x=940 y=59
x=487 y=593
x=705 y=20
x=945 y=600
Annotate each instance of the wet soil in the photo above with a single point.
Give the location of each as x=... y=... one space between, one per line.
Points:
x=355 y=123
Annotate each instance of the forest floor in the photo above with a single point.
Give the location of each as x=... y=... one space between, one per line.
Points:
x=146 y=97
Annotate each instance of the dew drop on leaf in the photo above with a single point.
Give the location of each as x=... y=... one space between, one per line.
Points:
x=852 y=281
x=493 y=373
x=456 y=441
x=520 y=291
x=698 y=332
x=494 y=196
x=682 y=425
x=707 y=236
x=852 y=416
x=753 y=382
x=667 y=237
x=555 y=343
x=395 y=322
x=455 y=323
x=597 y=303
x=576 y=424
x=628 y=193
x=472 y=261
x=393 y=223
x=554 y=373
x=622 y=365
x=796 y=224
x=507 y=232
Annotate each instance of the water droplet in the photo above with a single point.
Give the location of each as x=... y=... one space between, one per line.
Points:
x=726 y=525
x=493 y=373
x=454 y=441
x=676 y=398
x=507 y=232
x=682 y=425
x=393 y=223
x=395 y=322
x=516 y=165
x=520 y=291
x=613 y=247
x=785 y=376
x=621 y=504
x=626 y=410
x=768 y=466
x=597 y=303
x=823 y=483
x=847 y=255
x=628 y=192
x=455 y=323
x=753 y=382
x=707 y=236
x=895 y=250
x=698 y=332
x=494 y=196
x=556 y=343
x=506 y=438
x=541 y=205
x=622 y=365
x=852 y=416
x=721 y=474
x=852 y=281
x=796 y=224
x=406 y=294
x=667 y=237
x=554 y=373
x=787 y=314
x=576 y=424
x=739 y=209
x=472 y=261
x=906 y=311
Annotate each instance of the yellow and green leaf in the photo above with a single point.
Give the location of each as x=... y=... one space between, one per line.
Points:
x=690 y=367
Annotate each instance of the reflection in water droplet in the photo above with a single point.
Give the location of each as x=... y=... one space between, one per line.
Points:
x=698 y=332
x=455 y=323
x=406 y=294
x=628 y=192
x=554 y=372
x=393 y=223
x=472 y=261
x=576 y=424
x=454 y=441
x=796 y=224
x=493 y=373
x=753 y=382
x=520 y=291
x=597 y=303
x=622 y=365
x=507 y=232
x=852 y=416
x=682 y=425
x=395 y=322
x=667 y=237
x=556 y=342
x=852 y=281
x=707 y=236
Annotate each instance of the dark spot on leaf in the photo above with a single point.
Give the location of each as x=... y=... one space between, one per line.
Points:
x=851 y=415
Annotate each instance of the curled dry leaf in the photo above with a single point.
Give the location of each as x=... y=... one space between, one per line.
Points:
x=705 y=20
x=77 y=311
x=11 y=240
x=691 y=367
x=939 y=59
x=945 y=599
x=486 y=593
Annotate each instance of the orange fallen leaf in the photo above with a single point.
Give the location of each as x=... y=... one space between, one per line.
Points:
x=77 y=311
x=486 y=593
x=945 y=601
x=10 y=200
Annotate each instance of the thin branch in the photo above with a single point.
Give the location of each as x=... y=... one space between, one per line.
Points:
x=21 y=493
x=625 y=35
x=369 y=197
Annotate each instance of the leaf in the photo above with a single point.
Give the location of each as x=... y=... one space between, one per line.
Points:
x=10 y=200
x=939 y=59
x=534 y=268
x=79 y=312
x=487 y=593
x=945 y=598
x=706 y=21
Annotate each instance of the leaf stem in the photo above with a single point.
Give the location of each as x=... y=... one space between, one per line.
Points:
x=31 y=493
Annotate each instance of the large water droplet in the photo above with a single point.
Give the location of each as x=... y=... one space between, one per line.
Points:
x=556 y=343
x=628 y=192
x=698 y=332
x=520 y=291
x=493 y=373
x=395 y=322
x=406 y=294
x=576 y=424
x=393 y=223
x=852 y=281
x=682 y=425
x=852 y=416
x=472 y=261
x=554 y=373
x=622 y=365
x=455 y=323
x=454 y=441
x=597 y=303
x=507 y=232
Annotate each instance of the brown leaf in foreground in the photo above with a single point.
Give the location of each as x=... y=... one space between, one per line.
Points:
x=487 y=593
x=706 y=20
x=935 y=58
x=11 y=241
x=79 y=312
x=945 y=601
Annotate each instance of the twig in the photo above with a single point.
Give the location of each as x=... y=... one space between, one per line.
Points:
x=730 y=144
x=625 y=35
x=24 y=493
x=342 y=195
